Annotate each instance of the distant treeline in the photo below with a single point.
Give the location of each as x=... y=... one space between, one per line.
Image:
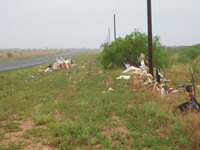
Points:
x=185 y=53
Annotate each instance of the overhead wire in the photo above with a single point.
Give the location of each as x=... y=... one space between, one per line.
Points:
x=119 y=4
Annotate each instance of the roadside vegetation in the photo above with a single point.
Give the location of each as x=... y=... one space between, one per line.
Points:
x=65 y=110
x=131 y=47
x=21 y=54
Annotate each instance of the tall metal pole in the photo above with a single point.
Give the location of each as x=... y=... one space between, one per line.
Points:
x=150 y=37
x=193 y=82
x=114 y=29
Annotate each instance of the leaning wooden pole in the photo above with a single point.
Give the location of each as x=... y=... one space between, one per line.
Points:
x=150 y=45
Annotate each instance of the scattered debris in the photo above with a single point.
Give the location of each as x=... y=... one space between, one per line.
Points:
x=142 y=57
x=123 y=77
x=127 y=83
x=181 y=85
x=74 y=72
x=144 y=78
x=110 y=89
x=174 y=91
x=59 y=65
x=170 y=89
x=133 y=68
x=157 y=88
x=193 y=103
x=128 y=63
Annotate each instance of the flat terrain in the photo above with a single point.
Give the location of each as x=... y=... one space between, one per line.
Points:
x=21 y=54
x=75 y=110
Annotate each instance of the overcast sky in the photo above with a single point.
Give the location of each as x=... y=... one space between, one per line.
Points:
x=85 y=23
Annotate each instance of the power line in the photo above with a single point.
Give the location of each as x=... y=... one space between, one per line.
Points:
x=119 y=5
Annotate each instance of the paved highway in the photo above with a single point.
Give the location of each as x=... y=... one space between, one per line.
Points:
x=12 y=65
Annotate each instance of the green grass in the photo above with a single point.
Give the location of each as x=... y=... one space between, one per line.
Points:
x=77 y=115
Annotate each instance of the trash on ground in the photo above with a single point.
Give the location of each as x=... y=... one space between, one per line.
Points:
x=74 y=72
x=142 y=57
x=130 y=69
x=157 y=88
x=60 y=64
x=145 y=79
x=193 y=104
x=181 y=85
x=170 y=89
x=128 y=63
x=127 y=83
x=123 y=77
x=110 y=89
x=174 y=91
x=141 y=70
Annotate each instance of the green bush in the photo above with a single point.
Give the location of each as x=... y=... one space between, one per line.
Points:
x=131 y=47
x=191 y=53
x=9 y=54
x=183 y=59
x=187 y=55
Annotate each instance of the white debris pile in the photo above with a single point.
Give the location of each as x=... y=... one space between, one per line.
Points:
x=60 y=64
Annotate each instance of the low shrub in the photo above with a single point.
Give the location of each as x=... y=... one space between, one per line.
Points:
x=9 y=54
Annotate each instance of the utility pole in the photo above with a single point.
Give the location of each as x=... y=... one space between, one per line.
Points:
x=114 y=29
x=150 y=37
x=108 y=35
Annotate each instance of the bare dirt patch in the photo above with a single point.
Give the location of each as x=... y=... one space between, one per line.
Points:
x=59 y=115
x=16 y=137
x=36 y=107
x=109 y=81
x=121 y=129
x=74 y=119
x=14 y=117
x=164 y=135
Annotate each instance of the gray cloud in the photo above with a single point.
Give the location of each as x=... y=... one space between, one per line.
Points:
x=85 y=23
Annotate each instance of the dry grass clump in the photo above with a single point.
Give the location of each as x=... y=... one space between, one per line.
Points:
x=136 y=84
x=188 y=124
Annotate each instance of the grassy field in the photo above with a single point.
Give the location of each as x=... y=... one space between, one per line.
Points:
x=20 y=54
x=66 y=110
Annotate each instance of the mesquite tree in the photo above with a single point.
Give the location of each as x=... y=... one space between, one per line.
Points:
x=131 y=47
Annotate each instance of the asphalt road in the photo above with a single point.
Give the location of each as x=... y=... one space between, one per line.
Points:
x=12 y=65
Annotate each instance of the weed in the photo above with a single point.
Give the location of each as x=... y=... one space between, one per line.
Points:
x=43 y=119
x=11 y=126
